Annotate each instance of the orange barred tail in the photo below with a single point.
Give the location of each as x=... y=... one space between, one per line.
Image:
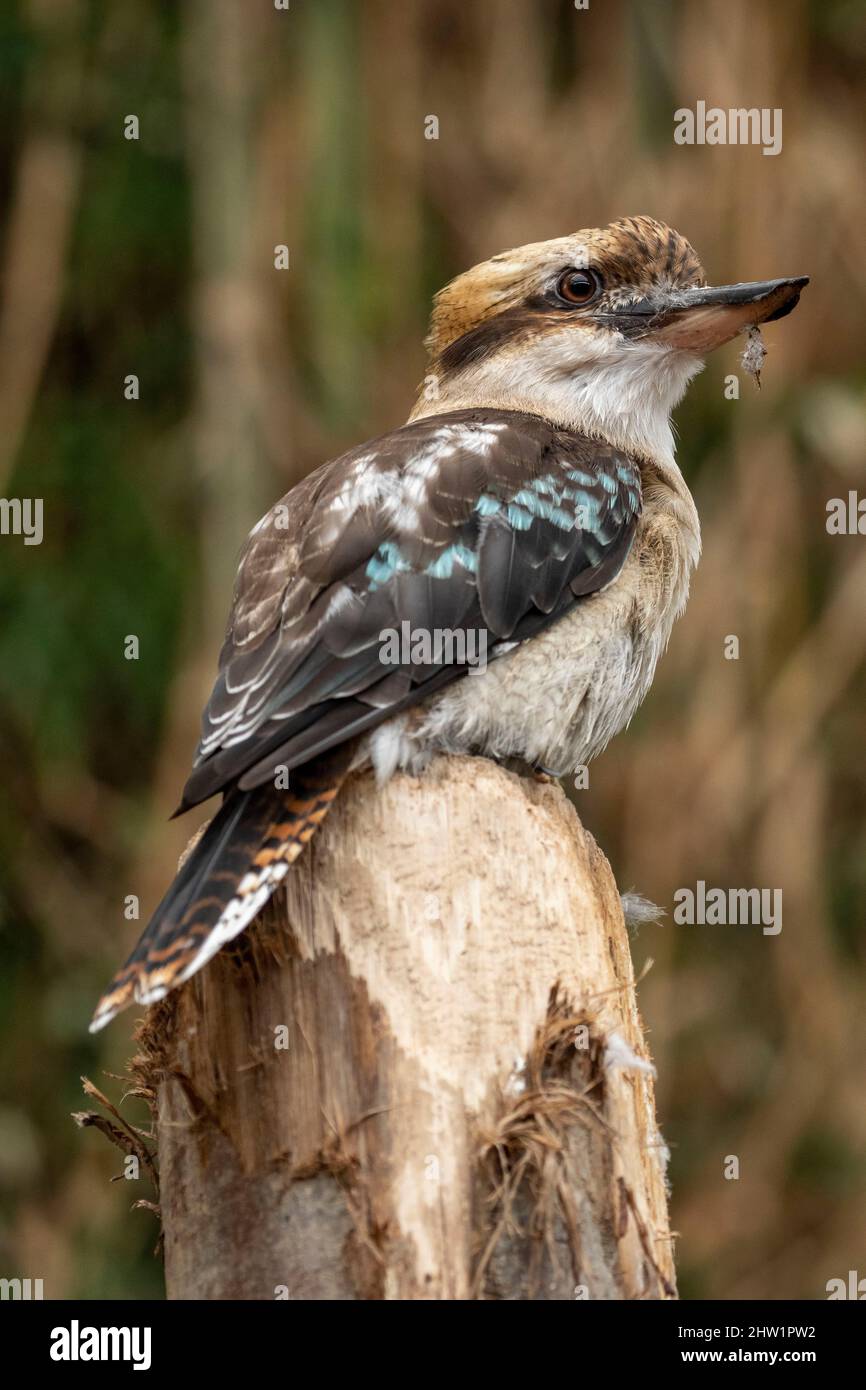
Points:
x=242 y=857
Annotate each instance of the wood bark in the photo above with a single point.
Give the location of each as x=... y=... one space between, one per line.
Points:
x=421 y=1074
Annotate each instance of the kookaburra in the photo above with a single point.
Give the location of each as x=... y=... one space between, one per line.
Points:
x=533 y=497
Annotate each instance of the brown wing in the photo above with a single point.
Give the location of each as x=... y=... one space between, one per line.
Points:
x=476 y=519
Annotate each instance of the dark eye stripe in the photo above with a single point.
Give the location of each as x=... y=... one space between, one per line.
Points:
x=486 y=337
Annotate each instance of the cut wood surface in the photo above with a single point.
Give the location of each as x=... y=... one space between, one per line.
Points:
x=422 y=1073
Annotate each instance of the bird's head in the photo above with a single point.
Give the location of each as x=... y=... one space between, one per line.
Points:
x=600 y=331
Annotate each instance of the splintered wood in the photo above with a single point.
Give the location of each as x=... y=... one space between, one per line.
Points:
x=421 y=1074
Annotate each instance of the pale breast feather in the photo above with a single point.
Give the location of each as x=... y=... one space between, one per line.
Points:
x=474 y=519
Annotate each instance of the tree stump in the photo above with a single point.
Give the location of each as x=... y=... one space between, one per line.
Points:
x=421 y=1073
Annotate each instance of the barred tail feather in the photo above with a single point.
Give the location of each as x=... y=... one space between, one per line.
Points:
x=240 y=860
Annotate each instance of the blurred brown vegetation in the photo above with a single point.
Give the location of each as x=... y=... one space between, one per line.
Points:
x=155 y=257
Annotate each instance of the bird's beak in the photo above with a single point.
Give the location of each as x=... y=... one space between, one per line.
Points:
x=701 y=319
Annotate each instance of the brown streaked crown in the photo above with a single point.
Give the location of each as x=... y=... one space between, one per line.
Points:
x=632 y=256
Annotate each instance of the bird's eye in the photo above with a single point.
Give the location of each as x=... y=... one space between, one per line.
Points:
x=577 y=286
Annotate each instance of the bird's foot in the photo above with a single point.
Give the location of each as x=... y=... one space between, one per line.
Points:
x=546 y=774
